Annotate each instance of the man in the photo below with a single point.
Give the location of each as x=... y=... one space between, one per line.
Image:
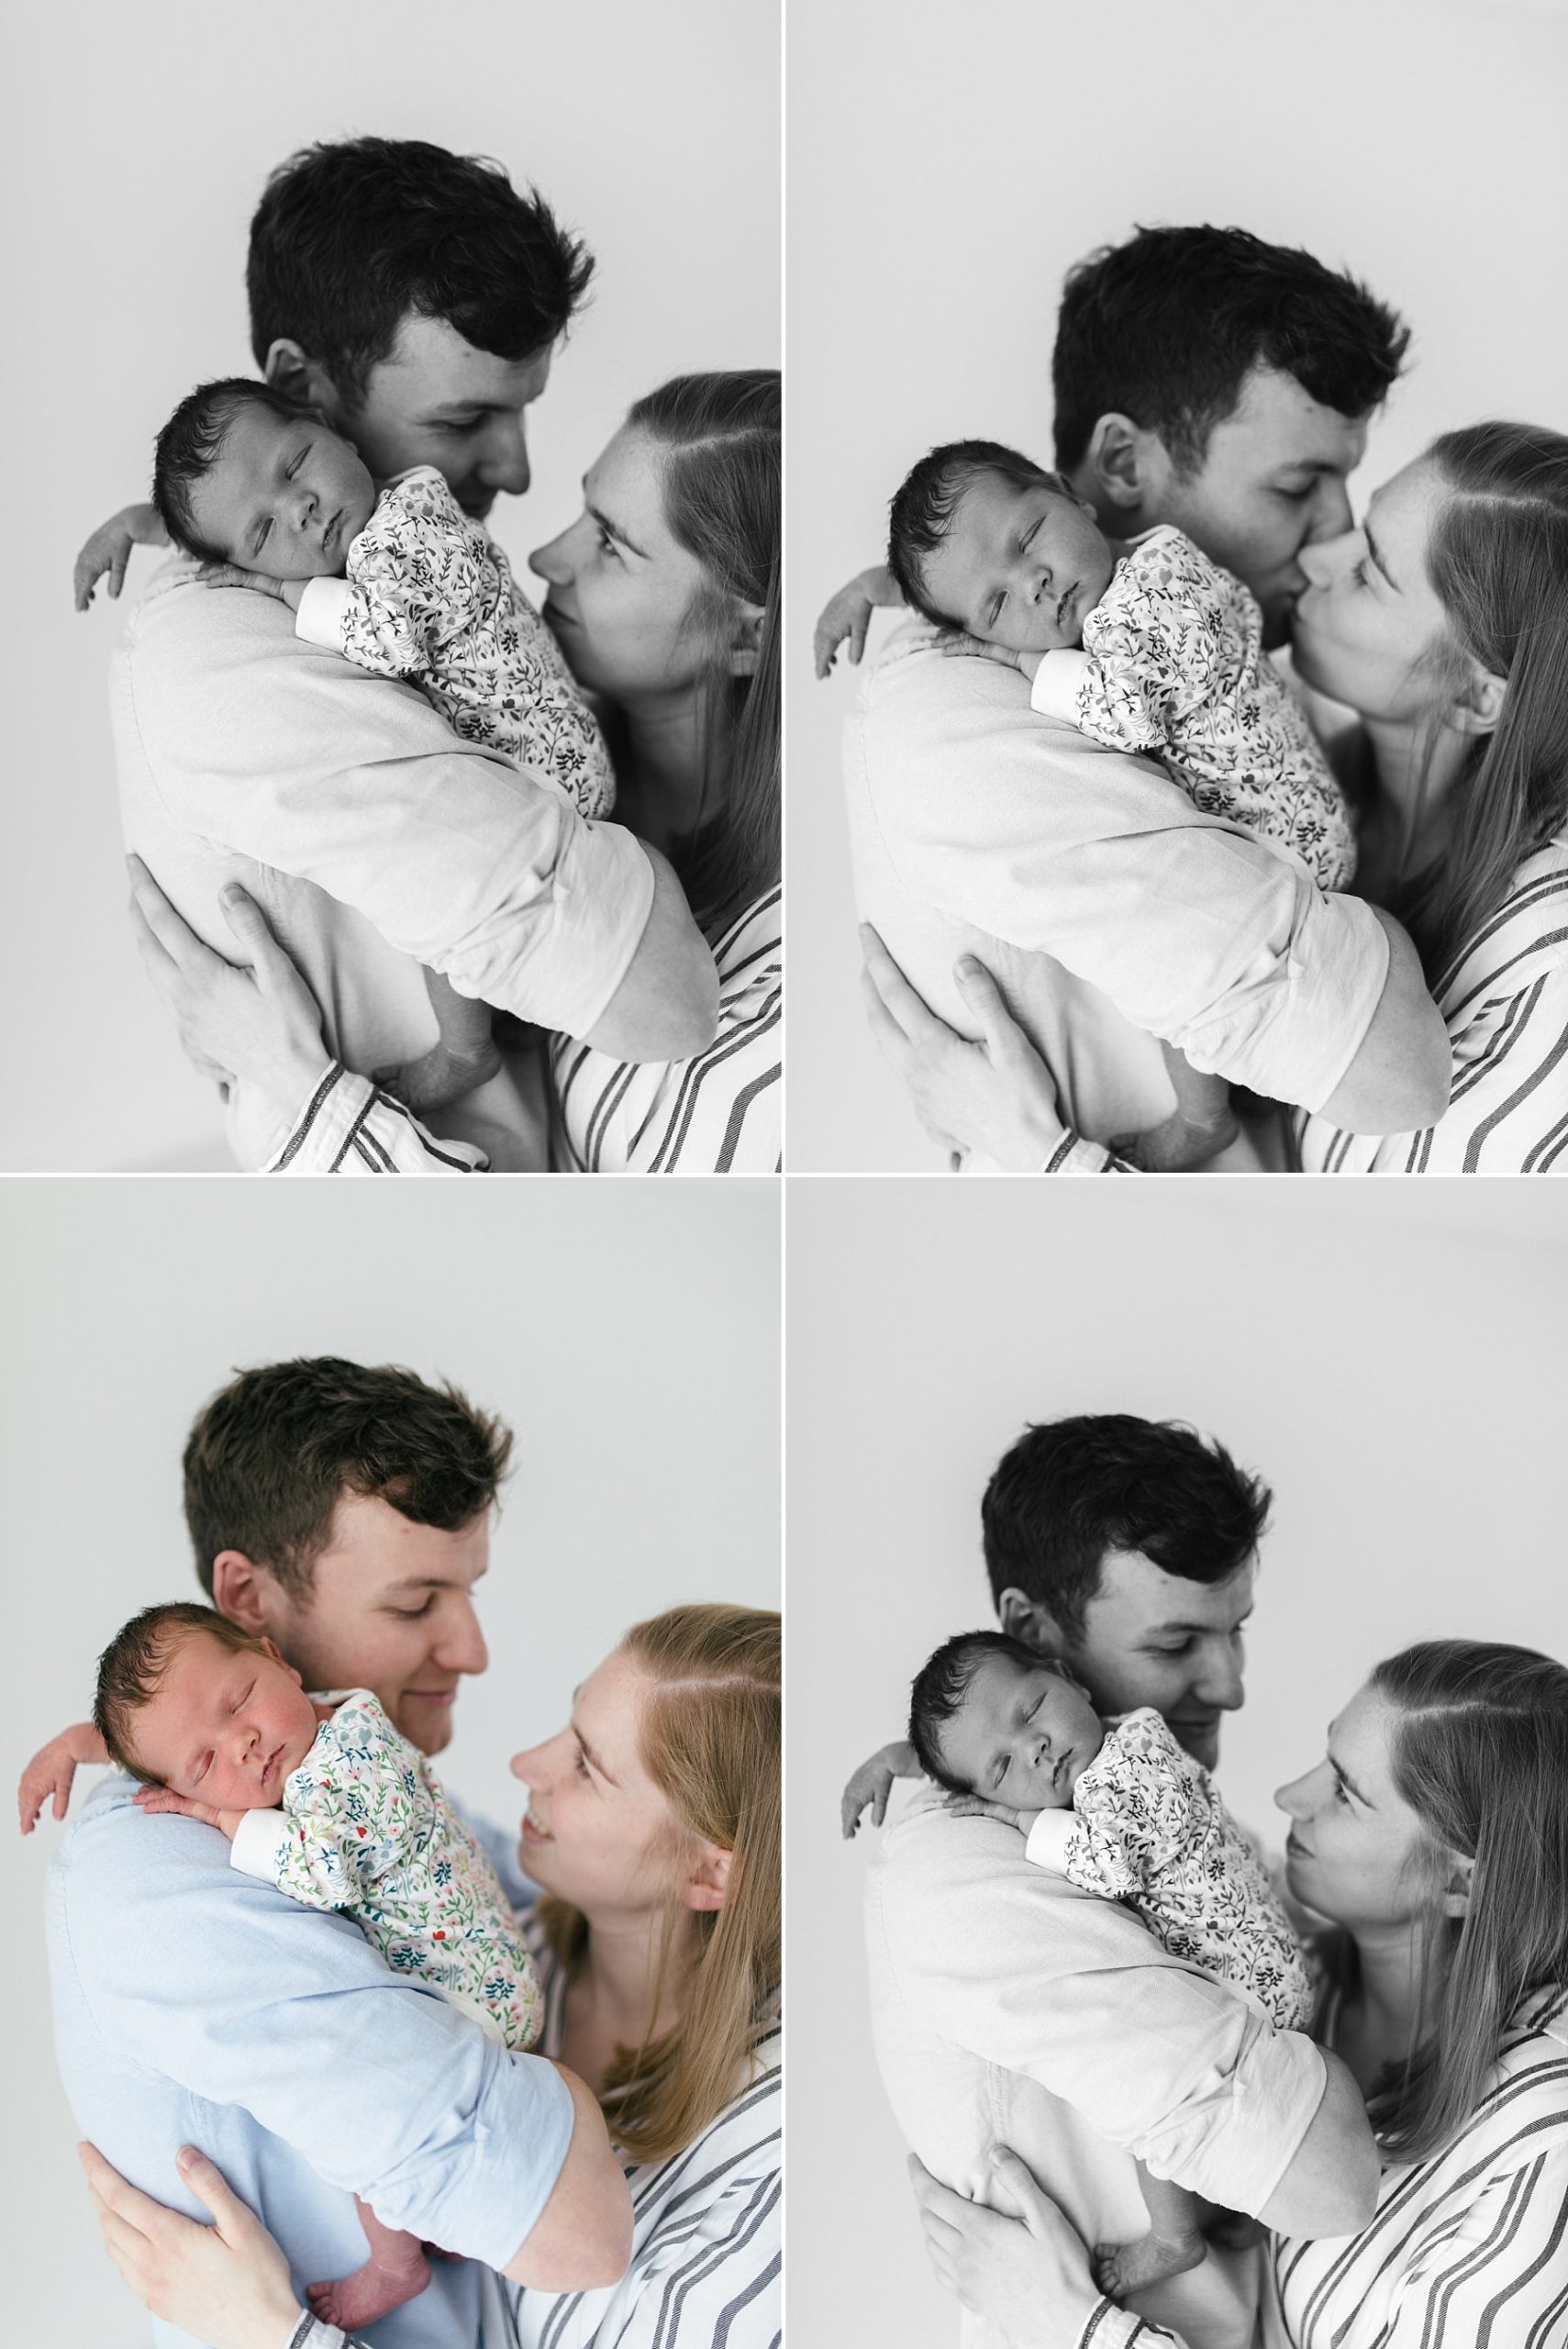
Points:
x=1012 y=2008
x=416 y=299
x=345 y=1512
x=1205 y=379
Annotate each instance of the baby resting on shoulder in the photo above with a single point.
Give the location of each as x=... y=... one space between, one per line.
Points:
x=1146 y=647
x=1119 y=1809
x=400 y=581
x=324 y=1799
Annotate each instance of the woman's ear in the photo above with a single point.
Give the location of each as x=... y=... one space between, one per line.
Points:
x=708 y=1878
x=745 y=639
x=1456 y=1892
x=1478 y=706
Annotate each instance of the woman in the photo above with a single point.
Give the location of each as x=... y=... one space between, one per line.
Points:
x=1445 y=624
x=652 y=1829
x=664 y=594
x=1434 y=1839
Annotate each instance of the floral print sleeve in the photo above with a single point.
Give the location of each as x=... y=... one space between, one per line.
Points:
x=1134 y=1809
x=368 y=1829
x=415 y=578
x=1156 y=639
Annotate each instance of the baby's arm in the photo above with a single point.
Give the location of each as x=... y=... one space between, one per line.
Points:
x=51 y=1770
x=164 y=1799
x=982 y=1807
x=848 y=614
x=109 y=548
x=463 y=1058
x=872 y=1783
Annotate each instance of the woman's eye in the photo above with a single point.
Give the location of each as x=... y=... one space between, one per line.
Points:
x=581 y=1762
x=1361 y=574
x=607 y=544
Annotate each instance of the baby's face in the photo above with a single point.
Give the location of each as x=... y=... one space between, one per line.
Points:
x=224 y=1728
x=283 y=498
x=1021 y=1738
x=1020 y=567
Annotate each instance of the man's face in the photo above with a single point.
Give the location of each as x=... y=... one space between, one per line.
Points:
x=391 y=1609
x=436 y=400
x=1272 y=481
x=1150 y=1638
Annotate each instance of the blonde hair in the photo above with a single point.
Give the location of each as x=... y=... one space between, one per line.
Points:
x=710 y=1740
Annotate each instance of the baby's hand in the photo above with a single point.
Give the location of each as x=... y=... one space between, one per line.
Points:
x=982 y=1807
x=848 y=614
x=872 y=1783
x=157 y=1798
x=109 y=548
x=957 y=645
x=51 y=1770
x=234 y=575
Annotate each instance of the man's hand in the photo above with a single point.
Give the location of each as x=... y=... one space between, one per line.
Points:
x=872 y=1783
x=164 y=1799
x=109 y=548
x=228 y=2283
x=1022 y=2272
x=51 y=1770
x=995 y=1095
x=848 y=614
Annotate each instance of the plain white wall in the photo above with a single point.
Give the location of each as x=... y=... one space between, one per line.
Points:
x=133 y=146
x=631 y=1335
x=1389 y=1358
x=944 y=175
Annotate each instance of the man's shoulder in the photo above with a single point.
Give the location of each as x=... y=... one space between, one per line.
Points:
x=114 y=1854
x=931 y=1859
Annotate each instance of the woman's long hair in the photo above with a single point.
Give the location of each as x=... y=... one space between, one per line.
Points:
x=710 y=1742
x=1480 y=1751
x=723 y=497
x=1498 y=560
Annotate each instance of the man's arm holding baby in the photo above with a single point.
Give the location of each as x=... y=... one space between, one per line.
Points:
x=243 y=1997
x=289 y=755
x=1072 y=1992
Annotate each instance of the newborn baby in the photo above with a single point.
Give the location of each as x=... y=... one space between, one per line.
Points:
x=1119 y=1809
x=402 y=582
x=324 y=1799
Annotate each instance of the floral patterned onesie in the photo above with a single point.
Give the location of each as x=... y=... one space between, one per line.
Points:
x=429 y=597
x=1147 y=1828
x=1175 y=666
x=366 y=1828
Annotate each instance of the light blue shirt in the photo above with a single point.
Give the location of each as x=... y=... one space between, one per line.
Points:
x=193 y=2005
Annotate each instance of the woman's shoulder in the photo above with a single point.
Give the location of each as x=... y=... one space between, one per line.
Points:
x=752 y=946
x=1526 y=939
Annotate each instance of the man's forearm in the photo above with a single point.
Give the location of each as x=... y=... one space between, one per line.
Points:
x=582 y=2239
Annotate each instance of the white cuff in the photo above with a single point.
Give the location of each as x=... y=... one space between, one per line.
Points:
x=1054 y=693
x=322 y=607
x=1048 y=1839
x=255 y=1848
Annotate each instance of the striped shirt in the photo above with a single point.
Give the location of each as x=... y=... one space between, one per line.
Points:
x=1504 y=999
x=715 y=1114
x=1468 y=2250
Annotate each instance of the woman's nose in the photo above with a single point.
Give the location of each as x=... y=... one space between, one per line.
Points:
x=532 y=1765
x=1299 y=1798
x=552 y=562
x=1318 y=557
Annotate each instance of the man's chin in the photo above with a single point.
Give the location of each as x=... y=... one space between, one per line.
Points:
x=427 y=1724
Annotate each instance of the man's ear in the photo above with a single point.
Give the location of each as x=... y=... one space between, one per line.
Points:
x=303 y=380
x=247 y=1594
x=1120 y=465
x=1031 y=1620
x=708 y=1878
x=1478 y=705
x=746 y=639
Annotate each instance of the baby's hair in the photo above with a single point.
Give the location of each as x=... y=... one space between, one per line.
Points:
x=924 y=502
x=191 y=444
x=131 y=1670
x=943 y=1682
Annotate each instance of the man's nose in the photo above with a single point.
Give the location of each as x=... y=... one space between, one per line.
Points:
x=460 y=1647
x=504 y=462
x=1221 y=1682
x=1331 y=510
x=1315 y=564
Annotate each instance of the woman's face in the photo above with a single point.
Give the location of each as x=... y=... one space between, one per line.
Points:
x=1368 y=627
x=597 y=1831
x=1354 y=1849
x=622 y=590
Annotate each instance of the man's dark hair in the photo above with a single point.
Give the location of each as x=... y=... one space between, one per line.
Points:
x=924 y=502
x=274 y=1451
x=1166 y=328
x=131 y=1670
x=1072 y=1489
x=191 y=444
x=941 y=1687
x=348 y=238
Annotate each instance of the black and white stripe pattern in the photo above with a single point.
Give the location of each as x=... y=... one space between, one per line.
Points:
x=717 y=1114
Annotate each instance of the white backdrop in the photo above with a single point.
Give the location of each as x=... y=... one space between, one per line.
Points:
x=1389 y=1358
x=944 y=174
x=134 y=143
x=629 y=1333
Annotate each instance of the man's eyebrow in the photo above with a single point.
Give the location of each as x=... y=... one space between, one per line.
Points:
x=1158 y=1631
x=435 y=1582
x=468 y=407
